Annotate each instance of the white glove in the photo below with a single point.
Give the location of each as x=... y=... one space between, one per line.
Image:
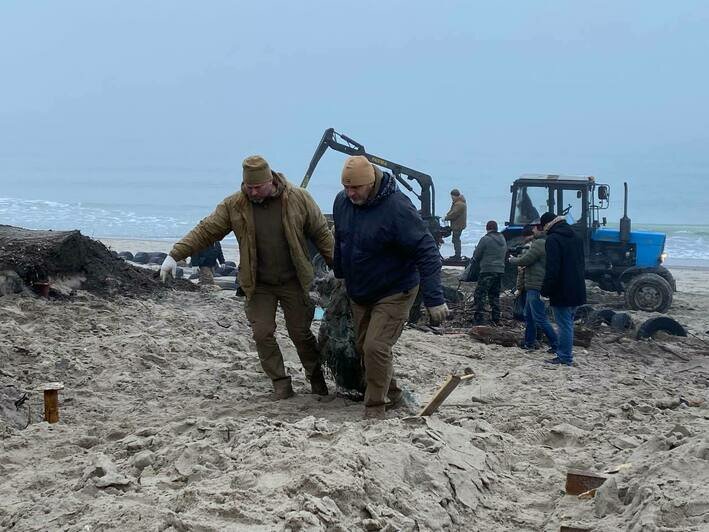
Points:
x=438 y=314
x=168 y=268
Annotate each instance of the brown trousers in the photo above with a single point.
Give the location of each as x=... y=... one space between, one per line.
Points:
x=298 y=311
x=377 y=328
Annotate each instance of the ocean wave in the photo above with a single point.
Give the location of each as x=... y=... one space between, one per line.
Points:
x=94 y=221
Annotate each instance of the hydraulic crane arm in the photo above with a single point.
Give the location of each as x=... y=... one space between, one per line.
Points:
x=342 y=143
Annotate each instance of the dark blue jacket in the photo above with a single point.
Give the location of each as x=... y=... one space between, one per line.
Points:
x=564 y=280
x=383 y=248
x=209 y=256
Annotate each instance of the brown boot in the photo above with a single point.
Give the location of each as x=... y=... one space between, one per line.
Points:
x=318 y=386
x=374 y=412
x=282 y=389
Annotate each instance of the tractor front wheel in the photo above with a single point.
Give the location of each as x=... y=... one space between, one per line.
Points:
x=648 y=292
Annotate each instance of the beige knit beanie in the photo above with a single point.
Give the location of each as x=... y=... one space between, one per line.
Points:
x=256 y=170
x=357 y=171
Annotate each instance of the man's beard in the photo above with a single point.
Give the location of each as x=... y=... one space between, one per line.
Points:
x=257 y=200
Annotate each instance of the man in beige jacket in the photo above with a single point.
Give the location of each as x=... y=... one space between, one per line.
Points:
x=273 y=222
x=457 y=216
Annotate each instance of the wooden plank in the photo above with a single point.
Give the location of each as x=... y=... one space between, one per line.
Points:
x=443 y=392
x=51 y=406
x=51 y=401
x=578 y=482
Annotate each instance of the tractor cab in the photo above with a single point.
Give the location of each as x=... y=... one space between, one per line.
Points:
x=579 y=199
x=619 y=260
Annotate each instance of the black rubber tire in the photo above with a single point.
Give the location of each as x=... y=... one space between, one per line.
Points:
x=157 y=257
x=648 y=292
x=660 y=323
x=621 y=321
x=125 y=255
x=141 y=257
x=225 y=271
x=583 y=312
x=599 y=317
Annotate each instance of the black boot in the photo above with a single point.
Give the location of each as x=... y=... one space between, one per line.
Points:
x=318 y=386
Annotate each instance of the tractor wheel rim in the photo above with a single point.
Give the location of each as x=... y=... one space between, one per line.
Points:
x=649 y=298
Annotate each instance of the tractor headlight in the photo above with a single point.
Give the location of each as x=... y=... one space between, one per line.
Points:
x=663 y=257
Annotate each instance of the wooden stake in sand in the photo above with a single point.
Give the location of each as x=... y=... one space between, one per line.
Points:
x=51 y=401
x=443 y=392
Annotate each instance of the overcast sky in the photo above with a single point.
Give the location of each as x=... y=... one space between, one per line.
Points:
x=474 y=93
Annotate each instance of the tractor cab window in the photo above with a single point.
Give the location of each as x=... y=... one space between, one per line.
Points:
x=531 y=203
x=571 y=206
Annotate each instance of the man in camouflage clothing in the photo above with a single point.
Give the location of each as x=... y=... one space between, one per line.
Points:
x=490 y=255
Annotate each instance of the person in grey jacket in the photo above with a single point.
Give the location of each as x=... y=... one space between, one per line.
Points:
x=533 y=262
x=490 y=255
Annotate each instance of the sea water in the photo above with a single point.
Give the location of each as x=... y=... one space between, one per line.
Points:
x=146 y=207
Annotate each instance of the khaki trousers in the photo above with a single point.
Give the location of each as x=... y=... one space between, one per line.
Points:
x=377 y=328
x=298 y=311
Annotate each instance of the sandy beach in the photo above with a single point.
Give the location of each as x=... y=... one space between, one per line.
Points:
x=166 y=424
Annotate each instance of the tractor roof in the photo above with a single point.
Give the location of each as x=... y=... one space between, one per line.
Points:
x=541 y=179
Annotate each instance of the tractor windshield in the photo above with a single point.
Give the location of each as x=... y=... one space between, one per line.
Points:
x=531 y=203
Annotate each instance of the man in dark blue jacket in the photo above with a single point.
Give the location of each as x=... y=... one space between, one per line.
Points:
x=564 y=280
x=384 y=252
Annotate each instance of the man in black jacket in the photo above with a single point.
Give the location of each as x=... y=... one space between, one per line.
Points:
x=384 y=252
x=564 y=282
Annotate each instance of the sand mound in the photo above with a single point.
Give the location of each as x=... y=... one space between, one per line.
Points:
x=68 y=259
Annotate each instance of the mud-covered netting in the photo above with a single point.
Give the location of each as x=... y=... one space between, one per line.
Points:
x=336 y=337
x=47 y=256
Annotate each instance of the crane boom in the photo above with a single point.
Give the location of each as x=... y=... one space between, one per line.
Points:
x=344 y=144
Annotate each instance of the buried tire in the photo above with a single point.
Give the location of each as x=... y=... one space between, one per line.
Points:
x=598 y=317
x=648 y=292
x=621 y=321
x=583 y=312
x=660 y=323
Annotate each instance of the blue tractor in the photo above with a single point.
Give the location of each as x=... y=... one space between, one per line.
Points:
x=618 y=260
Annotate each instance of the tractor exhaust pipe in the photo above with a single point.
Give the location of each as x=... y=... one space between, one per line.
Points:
x=625 y=221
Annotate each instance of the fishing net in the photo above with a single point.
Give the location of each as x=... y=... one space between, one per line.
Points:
x=336 y=337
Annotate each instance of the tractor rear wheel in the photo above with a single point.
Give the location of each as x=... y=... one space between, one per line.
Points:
x=648 y=292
